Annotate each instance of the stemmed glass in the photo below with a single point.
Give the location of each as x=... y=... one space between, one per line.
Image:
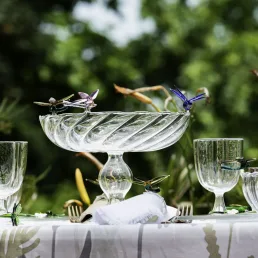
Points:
x=216 y=166
x=13 y=161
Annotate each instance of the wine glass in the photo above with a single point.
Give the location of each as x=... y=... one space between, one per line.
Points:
x=13 y=161
x=216 y=166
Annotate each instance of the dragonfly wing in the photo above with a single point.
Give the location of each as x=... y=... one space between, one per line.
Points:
x=178 y=94
x=94 y=94
x=83 y=95
x=158 y=179
x=200 y=96
x=138 y=181
x=42 y=104
x=79 y=101
x=65 y=98
x=95 y=182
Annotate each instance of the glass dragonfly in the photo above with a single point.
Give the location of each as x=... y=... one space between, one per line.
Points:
x=149 y=184
x=86 y=101
x=17 y=208
x=187 y=103
x=53 y=104
x=238 y=163
x=95 y=182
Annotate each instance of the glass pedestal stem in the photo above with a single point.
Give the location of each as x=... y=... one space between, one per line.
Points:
x=115 y=178
x=219 y=204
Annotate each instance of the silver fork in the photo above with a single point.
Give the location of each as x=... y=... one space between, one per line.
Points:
x=74 y=213
x=183 y=210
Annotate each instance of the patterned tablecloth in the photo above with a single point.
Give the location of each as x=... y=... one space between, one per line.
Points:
x=61 y=239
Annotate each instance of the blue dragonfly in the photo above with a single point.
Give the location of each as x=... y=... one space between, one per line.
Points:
x=237 y=164
x=187 y=103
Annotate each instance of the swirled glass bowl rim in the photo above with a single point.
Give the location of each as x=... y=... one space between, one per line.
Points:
x=119 y=113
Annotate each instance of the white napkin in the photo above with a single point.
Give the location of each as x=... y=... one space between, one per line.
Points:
x=147 y=208
x=101 y=200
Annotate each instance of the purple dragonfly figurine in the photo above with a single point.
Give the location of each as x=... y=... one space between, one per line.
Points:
x=86 y=101
x=187 y=103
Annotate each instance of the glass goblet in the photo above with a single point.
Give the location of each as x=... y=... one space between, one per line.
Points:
x=216 y=166
x=13 y=161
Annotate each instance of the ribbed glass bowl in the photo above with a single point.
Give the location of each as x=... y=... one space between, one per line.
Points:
x=115 y=133
x=250 y=187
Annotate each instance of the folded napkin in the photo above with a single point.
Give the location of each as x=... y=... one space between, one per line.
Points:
x=101 y=200
x=147 y=208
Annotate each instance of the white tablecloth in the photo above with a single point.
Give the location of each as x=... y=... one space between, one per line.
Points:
x=61 y=239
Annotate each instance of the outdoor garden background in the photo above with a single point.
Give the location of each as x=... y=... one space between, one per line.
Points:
x=48 y=49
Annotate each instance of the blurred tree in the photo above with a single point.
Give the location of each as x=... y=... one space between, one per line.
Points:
x=45 y=51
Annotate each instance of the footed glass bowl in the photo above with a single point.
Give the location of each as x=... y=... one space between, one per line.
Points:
x=115 y=133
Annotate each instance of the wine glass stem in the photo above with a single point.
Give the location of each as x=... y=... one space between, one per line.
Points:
x=219 y=204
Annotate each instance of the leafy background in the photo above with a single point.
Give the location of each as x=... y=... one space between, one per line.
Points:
x=46 y=51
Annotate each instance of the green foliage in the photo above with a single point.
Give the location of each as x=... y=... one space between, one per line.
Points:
x=9 y=112
x=46 y=52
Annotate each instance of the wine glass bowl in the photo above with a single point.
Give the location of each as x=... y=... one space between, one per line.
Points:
x=250 y=187
x=13 y=161
x=217 y=167
x=115 y=133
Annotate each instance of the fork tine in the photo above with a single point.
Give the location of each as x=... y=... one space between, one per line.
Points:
x=77 y=211
x=186 y=210
x=178 y=211
x=191 y=210
x=73 y=212
x=183 y=210
x=69 y=211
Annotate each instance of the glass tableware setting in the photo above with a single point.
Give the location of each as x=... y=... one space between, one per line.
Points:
x=218 y=166
x=114 y=132
x=13 y=161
